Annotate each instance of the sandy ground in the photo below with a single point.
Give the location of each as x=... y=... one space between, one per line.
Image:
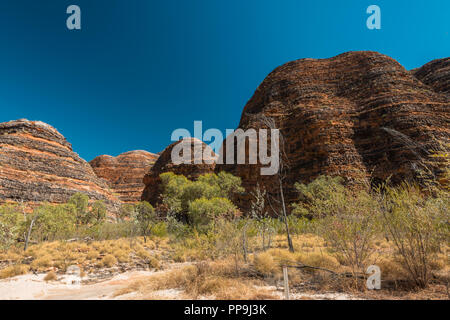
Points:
x=33 y=287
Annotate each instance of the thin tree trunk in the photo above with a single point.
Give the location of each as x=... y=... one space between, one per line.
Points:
x=27 y=239
x=291 y=246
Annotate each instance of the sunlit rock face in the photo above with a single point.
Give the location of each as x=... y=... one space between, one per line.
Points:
x=436 y=74
x=125 y=173
x=359 y=115
x=38 y=164
x=190 y=169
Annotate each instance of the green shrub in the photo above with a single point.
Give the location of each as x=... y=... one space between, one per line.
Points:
x=348 y=221
x=417 y=224
x=11 y=225
x=54 y=222
x=204 y=212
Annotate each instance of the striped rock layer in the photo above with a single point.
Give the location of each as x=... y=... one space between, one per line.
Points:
x=125 y=173
x=359 y=115
x=38 y=164
x=190 y=169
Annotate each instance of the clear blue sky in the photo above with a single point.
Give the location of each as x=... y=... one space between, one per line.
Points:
x=139 y=69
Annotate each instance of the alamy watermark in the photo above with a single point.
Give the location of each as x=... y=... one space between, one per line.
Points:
x=374 y=280
x=374 y=20
x=242 y=147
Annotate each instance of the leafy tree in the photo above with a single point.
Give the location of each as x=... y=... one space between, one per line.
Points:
x=54 y=221
x=125 y=212
x=347 y=220
x=204 y=212
x=223 y=184
x=11 y=225
x=98 y=212
x=179 y=192
x=417 y=224
x=81 y=203
x=321 y=197
x=173 y=187
x=146 y=217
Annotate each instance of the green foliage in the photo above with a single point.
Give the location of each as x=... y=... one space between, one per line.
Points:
x=173 y=188
x=417 y=224
x=111 y=230
x=204 y=212
x=145 y=217
x=322 y=196
x=202 y=201
x=98 y=212
x=125 y=212
x=347 y=220
x=54 y=222
x=223 y=184
x=11 y=225
x=81 y=203
x=160 y=229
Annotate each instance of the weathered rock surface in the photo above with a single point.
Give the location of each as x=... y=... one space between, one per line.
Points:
x=125 y=173
x=38 y=164
x=435 y=74
x=191 y=170
x=359 y=115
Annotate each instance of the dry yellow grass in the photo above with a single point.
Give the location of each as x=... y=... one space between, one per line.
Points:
x=208 y=280
x=51 y=276
x=225 y=279
x=108 y=261
x=15 y=270
x=264 y=263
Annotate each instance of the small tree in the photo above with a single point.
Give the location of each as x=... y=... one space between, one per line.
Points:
x=347 y=220
x=145 y=217
x=204 y=213
x=11 y=225
x=259 y=213
x=81 y=203
x=53 y=222
x=98 y=212
x=125 y=212
x=280 y=207
x=417 y=224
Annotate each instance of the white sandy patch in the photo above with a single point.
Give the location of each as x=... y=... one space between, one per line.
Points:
x=31 y=287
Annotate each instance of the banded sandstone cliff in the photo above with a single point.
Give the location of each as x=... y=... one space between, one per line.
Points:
x=125 y=173
x=38 y=164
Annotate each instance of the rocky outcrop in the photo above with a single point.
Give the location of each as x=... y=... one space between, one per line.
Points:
x=125 y=173
x=359 y=115
x=38 y=164
x=435 y=74
x=190 y=168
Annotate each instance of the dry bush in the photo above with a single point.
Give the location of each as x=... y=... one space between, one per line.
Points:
x=121 y=255
x=108 y=261
x=319 y=259
x=92 y=255
x=42 y=263
x=153 y=263
x=51 y=276
x=264 y=263
x=15 y=270
x=211 y=280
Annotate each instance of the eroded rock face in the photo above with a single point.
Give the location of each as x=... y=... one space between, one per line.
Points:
x=359 y=115
x=125 y=173
x=38 y=164
x=435 y=74
x=190 y=169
